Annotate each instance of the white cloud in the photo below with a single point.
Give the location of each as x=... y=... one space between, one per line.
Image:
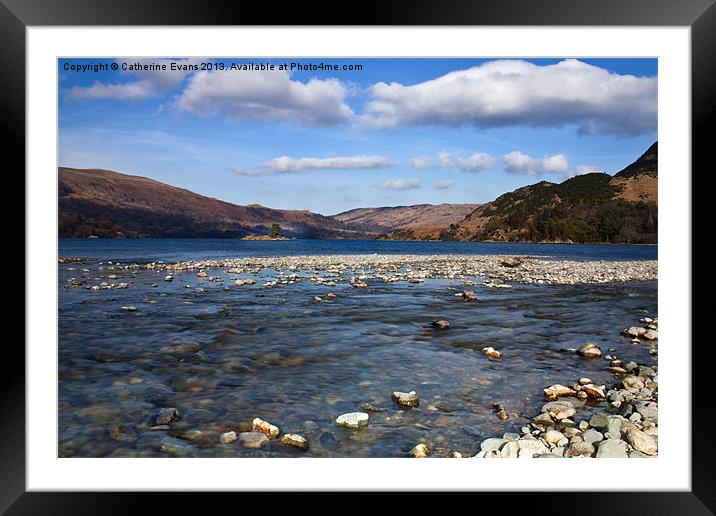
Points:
x=444 y=184
x=515 y=92
x=286 y=164
x=269 y=96
x=517 y=162
x=473 y=163
x=149 y=84
x=583 y=169
x=423 y=162
x=400 y=184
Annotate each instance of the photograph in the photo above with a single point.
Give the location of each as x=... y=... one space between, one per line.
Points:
x=380 y=257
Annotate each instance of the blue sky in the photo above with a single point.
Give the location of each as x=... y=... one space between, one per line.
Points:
x=396 y=132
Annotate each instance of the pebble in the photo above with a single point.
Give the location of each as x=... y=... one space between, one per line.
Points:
x=420 y=451
x=583 y=449
x=259 y=425
x=589 y=350
x=557 y=390
x=641 y=441
x=492 y=352
x=406 y=399
x=129 y=308
x=599 y=421
x=559 y=409
x=553 y=437
x=295 y=440
x=592 y=436
x=612 y=449
x=353 y=420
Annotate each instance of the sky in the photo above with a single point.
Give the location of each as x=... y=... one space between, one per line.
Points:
x=329 y=135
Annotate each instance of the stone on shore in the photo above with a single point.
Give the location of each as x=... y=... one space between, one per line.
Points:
x=353 y=420
x=553 y=437
x=253 y=439
x=406 y=399
x=594 y=391
x=561 y=409
x=612 y=449
x=557 y=390
x=583 y=449
x=295 y=440
x=492 y=444
x=650 y=335
x=641 y=441
x=589 y=350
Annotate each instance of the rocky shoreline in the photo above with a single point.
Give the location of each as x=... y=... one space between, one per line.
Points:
x=416 y=268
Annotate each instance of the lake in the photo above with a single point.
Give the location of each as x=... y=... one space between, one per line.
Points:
x=278 y=354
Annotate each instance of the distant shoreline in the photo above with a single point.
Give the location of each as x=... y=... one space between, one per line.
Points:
x=260 y=238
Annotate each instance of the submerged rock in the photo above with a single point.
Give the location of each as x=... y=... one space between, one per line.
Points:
x=177 y=447
x=227 y=437
x=440 y=324
x=123 y=433
x=166 y=416
x=253 y=439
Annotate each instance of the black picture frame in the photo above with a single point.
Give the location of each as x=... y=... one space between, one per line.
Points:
x=699 y=15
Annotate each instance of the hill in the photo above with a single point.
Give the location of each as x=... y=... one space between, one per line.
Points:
x=593 y=207
x=419 y=219
x=110 y=204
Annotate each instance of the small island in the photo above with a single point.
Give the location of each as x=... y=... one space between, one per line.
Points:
x=275 y=233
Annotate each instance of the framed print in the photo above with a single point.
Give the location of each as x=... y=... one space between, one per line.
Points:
x=266 y=254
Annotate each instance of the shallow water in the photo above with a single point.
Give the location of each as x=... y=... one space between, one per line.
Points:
x=277 y=354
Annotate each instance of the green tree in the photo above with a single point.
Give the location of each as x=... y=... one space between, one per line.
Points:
x=275 y=231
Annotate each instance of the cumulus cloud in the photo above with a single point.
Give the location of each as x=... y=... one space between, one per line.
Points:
x=289 y=165
x=444 y=184
x=270 y=96
x=517 y=162
x=148 y=84
x=400 y=184
x=473 y=163
x=515 y=92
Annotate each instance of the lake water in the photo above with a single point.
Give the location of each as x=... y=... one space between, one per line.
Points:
x=279 y=355
x=182 y=249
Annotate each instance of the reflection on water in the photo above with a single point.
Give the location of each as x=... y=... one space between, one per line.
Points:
x=280 y=355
